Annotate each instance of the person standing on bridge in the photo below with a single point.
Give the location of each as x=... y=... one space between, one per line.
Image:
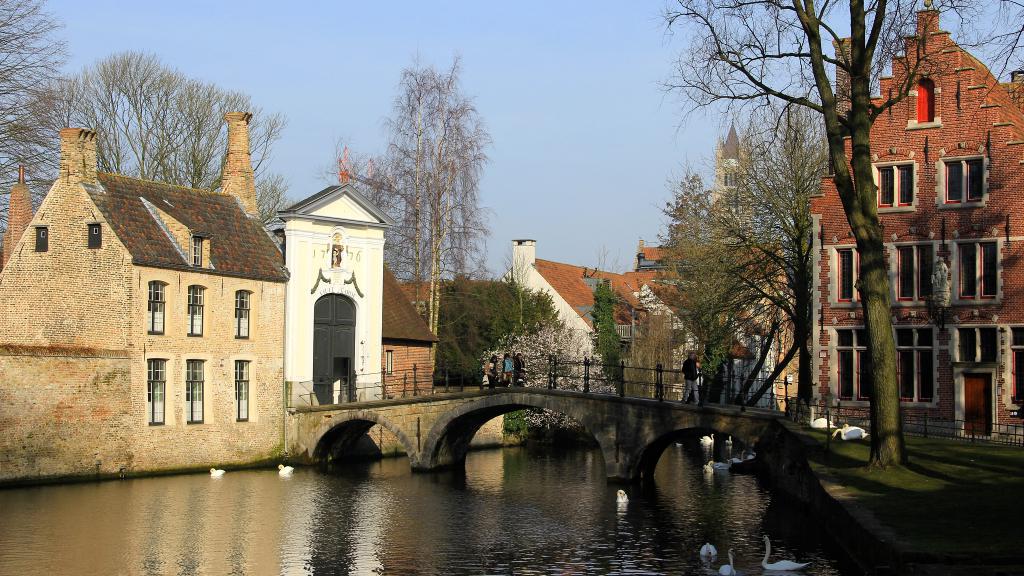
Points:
x=507 y=366
x=518 y=370
x=691 y=375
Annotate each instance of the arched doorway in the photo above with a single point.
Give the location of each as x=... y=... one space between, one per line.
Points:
x=334 y=346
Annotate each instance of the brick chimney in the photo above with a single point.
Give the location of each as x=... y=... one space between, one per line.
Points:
x=238 y=178
x=927 y=22
x=78 y=156
x=19 y=215
x=842 y=92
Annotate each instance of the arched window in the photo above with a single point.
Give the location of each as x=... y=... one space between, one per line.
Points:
x=926 y=100
x=195 y=310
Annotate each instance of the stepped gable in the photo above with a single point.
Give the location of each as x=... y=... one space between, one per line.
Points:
x=238 y=244
x=400 y=320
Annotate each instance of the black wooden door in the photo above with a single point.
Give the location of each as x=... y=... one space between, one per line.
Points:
x=333 y=348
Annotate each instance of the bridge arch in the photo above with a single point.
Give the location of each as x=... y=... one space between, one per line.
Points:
x=338 y=435
x=745 y=429
x=447 y=442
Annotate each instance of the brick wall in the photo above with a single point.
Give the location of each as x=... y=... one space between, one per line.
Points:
x=974 y=118
x=405 y=355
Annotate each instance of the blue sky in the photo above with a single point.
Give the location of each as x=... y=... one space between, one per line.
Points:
x=585 y=140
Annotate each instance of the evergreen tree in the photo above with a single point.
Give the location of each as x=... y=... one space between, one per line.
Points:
x=606 y=338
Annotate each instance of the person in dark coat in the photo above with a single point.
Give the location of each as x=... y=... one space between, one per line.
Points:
x=691 y=374
x=518 y=370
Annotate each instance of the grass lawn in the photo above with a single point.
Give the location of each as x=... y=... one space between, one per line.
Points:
x=952 y=498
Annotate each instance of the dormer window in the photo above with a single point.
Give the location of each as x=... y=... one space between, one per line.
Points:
x=197 y=251
x=925 y=100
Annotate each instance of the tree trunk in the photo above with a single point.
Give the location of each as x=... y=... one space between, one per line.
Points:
x=886 y=425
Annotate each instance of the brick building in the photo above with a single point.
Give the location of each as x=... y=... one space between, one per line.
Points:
x=140 y=324
x=949 y=165
x=407 y=342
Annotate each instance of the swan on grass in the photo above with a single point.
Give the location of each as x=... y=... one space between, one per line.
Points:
x=848 y=432
x=708 y=551
x=215 y=473
x=727 y=569
x=781 y=565
x=821 y=424
x=621 y=497
x=283 y=470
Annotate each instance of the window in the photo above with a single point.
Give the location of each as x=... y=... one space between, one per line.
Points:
x=95 y=239
x=194 y=391
x=42 y=239
x=848 y=268
x=197 y=251
x=155 y=308
x=389 y=362
x=926 y=100
x=242 y=390
x=730 y=178
x=914 y=366
x=895 y=185
x=195 y=310
x=965 y=180
x=978 y=280
x=242 y=314
x=854 y=364
x=978 y=344
x=1017 y=347
x=914 y=272
x=156 y=384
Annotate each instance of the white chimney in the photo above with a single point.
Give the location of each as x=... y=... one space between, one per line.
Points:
x=524 y=256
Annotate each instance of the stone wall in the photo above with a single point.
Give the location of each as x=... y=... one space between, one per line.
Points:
x=66 y=412
x=80 y=412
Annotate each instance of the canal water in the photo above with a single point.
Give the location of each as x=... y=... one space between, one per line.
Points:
x=513 y=511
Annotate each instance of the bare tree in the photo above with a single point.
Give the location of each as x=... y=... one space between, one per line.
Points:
x=155 y=123
x=765 y=222
x=434 y=161
x=31 y=55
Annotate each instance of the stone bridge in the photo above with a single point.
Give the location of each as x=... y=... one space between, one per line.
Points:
x=436 y=430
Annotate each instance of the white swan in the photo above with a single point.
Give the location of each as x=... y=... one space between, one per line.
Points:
x=821 y=424
x=727 y=569
x=781 y=565
x=706 y=440
x=848 y=432
x=215 y=473
x=728 y=441
x=709 y=467
x=708 y=551
x=621 y=497
x=283 y=470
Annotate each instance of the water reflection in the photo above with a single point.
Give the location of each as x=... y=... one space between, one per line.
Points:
x=512 y=511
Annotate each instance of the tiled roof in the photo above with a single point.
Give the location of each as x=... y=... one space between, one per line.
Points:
x=652 y=253
x=569 y=281
x=400 y=320
x=238 y=244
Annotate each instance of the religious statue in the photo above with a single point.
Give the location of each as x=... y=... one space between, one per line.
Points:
x=337 y=251
x=940 y=283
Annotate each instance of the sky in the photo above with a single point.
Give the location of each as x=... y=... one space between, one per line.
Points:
x=585 y=139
